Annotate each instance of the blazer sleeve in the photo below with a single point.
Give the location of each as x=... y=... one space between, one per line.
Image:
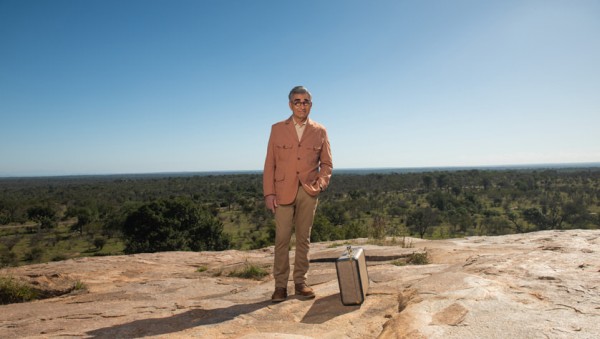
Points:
x=269 y=169
x=326 y=165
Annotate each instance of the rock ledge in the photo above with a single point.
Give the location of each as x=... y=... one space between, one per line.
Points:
x=535 y=285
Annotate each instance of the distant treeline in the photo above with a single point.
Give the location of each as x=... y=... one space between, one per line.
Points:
x=60 y=217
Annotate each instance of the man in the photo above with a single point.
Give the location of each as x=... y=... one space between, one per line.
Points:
x=297 y=168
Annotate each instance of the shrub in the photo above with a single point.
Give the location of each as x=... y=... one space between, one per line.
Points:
x=99 y=243
x=79 y=285
x=378 y=229
x=59 y=257
x=14 y=291
x=399 y=262
x=7 y=257
x=34 y=255
x=324 y=230
x=418 y=259
x=250 y=271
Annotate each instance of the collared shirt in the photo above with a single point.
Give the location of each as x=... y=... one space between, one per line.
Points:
x=299 y=127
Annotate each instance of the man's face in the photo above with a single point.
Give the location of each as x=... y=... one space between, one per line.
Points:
x=300 y=106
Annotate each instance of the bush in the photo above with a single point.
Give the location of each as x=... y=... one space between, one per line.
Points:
x=398 y=262
x=7 y=257
x=79 y=286
x=14 y=291
x=418 y=259
x=413 y=259
x=59 y=257
x=378 y=228
x=354 y=230
x=99 y=243
x=34 y=255
x=250 y=271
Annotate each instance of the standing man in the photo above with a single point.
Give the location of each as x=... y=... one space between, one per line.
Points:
x=297 y=168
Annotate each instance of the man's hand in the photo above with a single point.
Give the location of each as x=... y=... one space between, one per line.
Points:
x=314 y=188
x=271 y=202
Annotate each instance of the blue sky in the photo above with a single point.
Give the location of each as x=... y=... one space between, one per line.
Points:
x=98 y=87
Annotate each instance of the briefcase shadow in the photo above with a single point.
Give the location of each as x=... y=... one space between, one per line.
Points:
x=327 y=308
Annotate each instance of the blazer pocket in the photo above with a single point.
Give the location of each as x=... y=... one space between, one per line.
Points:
x=314 y=152
x=283 y=151
x=279 y=174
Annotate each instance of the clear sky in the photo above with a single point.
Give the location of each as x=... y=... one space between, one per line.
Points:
x=99 y=86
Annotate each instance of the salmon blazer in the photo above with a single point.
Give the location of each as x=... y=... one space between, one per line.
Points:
x=291 y=164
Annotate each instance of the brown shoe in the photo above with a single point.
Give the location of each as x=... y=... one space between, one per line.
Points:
x=279 y=295
x=303 y=291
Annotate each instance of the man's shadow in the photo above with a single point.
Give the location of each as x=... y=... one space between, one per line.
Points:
x=177 y=322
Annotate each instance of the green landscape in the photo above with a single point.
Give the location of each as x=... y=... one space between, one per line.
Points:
x=46 y=219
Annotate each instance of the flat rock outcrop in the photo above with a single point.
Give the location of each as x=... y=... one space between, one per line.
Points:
x=536 y=285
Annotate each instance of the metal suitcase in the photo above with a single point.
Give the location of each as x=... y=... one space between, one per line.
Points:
x=353 y=277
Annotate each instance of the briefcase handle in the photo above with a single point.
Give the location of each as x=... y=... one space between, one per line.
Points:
x=349 y=251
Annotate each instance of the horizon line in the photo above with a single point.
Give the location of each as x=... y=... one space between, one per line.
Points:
x=340 y=170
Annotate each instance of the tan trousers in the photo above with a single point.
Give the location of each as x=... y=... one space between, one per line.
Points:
x=299 y=214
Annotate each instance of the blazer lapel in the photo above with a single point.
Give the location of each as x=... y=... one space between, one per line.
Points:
x=291 y=129
x=308 y=130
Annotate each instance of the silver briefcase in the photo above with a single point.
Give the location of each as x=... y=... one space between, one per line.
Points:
x=353 y=277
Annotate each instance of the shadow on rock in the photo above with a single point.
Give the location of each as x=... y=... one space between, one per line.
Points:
x=177 y=322
x=326 y=309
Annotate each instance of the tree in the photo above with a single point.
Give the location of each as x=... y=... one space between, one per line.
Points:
x=44 y=216
x=576 y=213
x=514 y=218
x=535 y=216
x=35 y=254
x=7 y=257
x=552 y=210
x=427 y=182
x=378 y=229
x=486 y=182
x=171 y=225
x=442 y=181
x=421 y=219
x=496 y=225
x=8 y=210
x=355 y=229
x=324 y=230
x=99 y=243
x=441 y=200
x=84 y=217
x=335 y=213
x=460 y=219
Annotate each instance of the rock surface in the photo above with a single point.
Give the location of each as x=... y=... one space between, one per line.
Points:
x=535 y=285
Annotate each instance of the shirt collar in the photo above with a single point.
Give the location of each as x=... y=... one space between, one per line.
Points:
x=297 y=124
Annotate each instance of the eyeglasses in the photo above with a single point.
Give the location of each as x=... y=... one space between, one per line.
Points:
x=299 y=103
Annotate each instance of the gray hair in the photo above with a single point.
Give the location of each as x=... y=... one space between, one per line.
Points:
x=299 y=90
